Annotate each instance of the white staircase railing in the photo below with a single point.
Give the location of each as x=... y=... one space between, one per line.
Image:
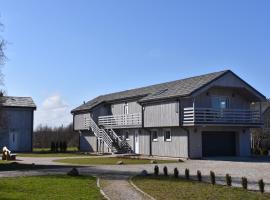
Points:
x=99 y=132
x=111 y=139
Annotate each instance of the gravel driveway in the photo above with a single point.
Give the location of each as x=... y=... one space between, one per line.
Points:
x=252 y=168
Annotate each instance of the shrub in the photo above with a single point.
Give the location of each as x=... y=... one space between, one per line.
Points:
x=264 y=152
x=261 y=185
x=212 y=177
x=56 y=147
x=156 y=170
x=199 y=175
x=165 y=171
x=176 y=173
x=52 y=147
x=61 y=146
x=244 y=183
x=256 y=151
x=187 y=173
x=228 y=180
x=64 y=146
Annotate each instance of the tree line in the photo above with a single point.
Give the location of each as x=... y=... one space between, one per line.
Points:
x=44 y=136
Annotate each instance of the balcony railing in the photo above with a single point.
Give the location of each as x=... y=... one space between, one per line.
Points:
x=211 y=116
x=121 y=121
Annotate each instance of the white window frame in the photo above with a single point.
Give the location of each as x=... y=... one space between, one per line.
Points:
x=156 y=139
x=126 y=109
x=126 y=132
x=164 y=134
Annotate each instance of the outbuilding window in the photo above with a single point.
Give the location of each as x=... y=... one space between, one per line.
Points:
x=167 y=135
x=154 y=135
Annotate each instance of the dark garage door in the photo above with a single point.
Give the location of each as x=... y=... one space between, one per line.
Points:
x=218 y=144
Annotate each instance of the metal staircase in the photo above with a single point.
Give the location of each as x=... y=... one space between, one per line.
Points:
x=114 y=142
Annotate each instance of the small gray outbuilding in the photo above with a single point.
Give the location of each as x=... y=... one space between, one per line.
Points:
x=16 y=123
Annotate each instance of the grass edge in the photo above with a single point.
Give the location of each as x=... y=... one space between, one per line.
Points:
x=101 y=190
x=138 y=189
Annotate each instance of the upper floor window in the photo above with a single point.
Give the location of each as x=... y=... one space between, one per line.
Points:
x=154 y=135
x=125 y=108
x=167 y=135
x=220 y=102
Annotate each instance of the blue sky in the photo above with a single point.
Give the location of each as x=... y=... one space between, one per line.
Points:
x=65 y=52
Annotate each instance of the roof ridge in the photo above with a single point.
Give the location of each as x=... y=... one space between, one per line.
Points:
x=148 y=90
x=222 y=72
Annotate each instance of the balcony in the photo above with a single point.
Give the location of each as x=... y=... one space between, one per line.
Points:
x=211 y=116
x=121 y=121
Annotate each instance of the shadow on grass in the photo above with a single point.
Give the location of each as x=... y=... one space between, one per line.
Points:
x=13 y=166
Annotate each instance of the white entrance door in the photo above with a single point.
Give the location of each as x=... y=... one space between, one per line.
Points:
x=136 y=141
x=13 y=140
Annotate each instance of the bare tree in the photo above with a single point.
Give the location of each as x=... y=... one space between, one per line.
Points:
x=3 y=123
x=2 y=47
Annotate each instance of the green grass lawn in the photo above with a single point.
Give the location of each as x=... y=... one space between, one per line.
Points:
x=109 y=161
x=49 y=187
x=171 y=188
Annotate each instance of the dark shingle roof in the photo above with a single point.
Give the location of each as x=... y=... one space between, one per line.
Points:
x=178 y=88
x=8 y=101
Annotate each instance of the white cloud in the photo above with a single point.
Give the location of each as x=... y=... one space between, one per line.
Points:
x=53 y=111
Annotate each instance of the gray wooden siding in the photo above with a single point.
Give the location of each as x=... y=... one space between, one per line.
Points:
x=19 y=120
x=227 y=81
x=100 y=110
x=88 y=142
x=118 y=108
x=236 y=101
x=177 y=147
x=79 y=121
x=144 y=142
x=161 y=115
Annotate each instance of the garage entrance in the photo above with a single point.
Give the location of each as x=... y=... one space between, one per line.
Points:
x=218 y=144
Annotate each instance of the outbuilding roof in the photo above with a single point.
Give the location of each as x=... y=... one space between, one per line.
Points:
x=8 y=101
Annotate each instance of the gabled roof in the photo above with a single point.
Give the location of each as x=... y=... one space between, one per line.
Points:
x=7 y=101
x=178 y=88
x=173 y=89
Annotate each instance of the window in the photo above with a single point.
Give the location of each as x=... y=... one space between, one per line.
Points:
x=167 y=135
x=126 y=109
x=268 y=123
x=154 y=135
x=220 y=102
x=126 y=135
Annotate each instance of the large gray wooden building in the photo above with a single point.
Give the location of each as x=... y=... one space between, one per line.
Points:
x=207 y=115
x=17 y=114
